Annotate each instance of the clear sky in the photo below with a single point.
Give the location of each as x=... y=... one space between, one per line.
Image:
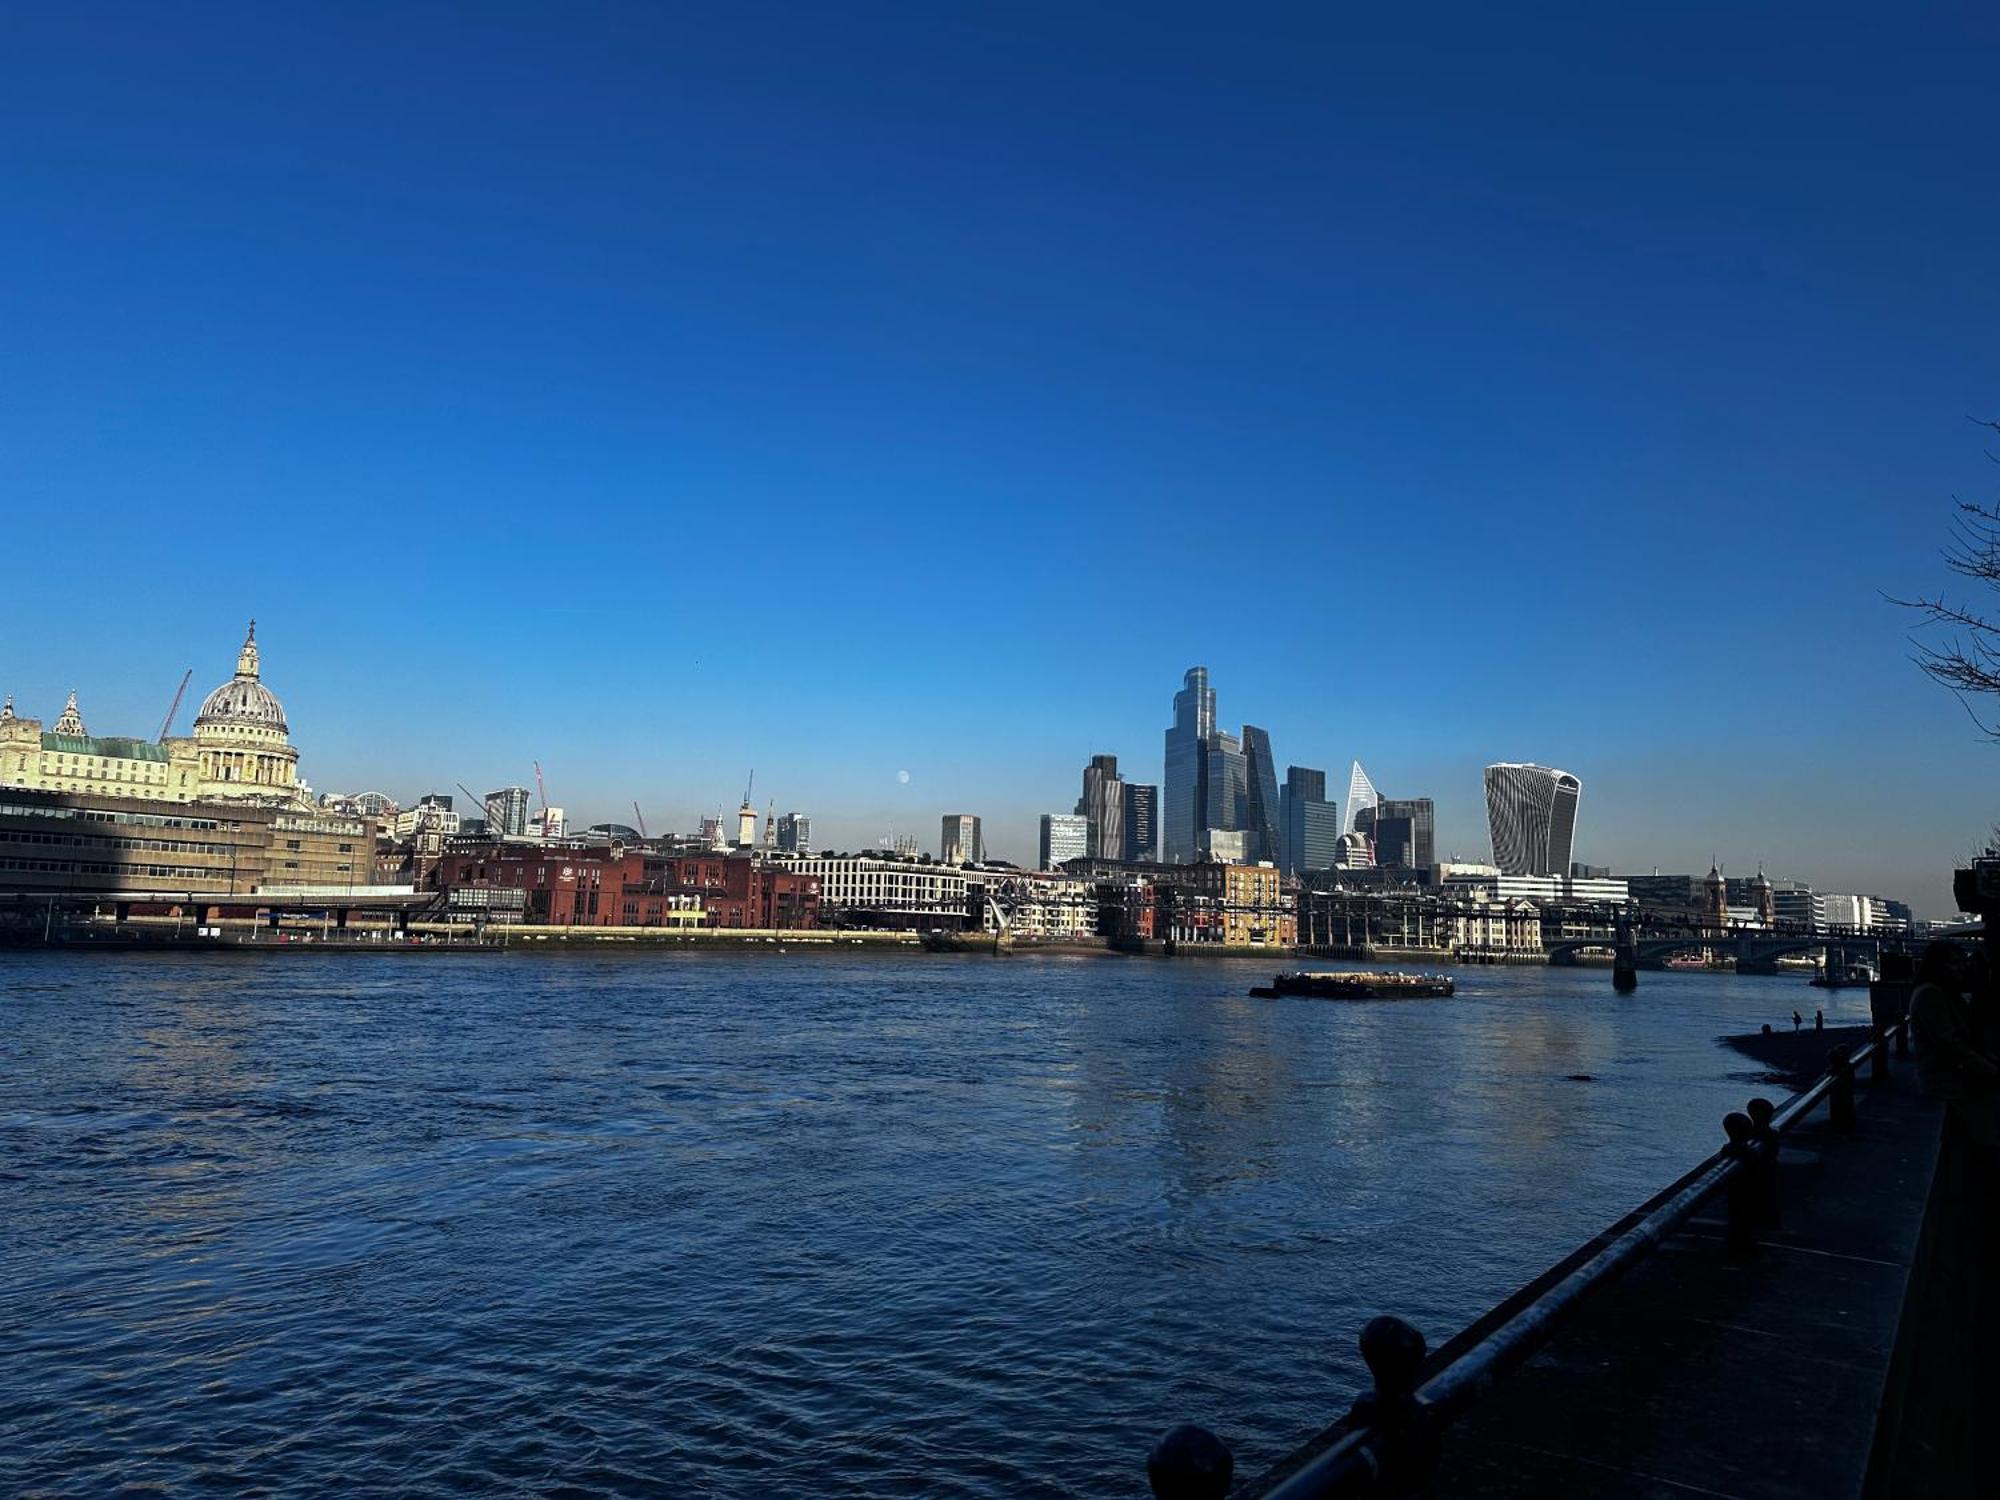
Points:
x=849 y=389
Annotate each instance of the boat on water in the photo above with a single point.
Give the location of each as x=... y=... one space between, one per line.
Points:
x=1357 y=984
x=1845 y=976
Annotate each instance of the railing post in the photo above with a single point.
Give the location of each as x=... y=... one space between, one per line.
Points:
x=1189 y=1463
x=1840 y=1098
x=1765 y=1140
x=1878 y=1060
x=1406 y=1439
x=1903 y=1038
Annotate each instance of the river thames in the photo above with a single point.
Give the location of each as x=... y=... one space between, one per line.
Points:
x=738 y=1224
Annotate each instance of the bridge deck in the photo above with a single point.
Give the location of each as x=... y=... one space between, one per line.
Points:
x=1698 y=1375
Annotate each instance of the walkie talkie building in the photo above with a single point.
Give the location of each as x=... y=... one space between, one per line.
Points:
x=1532 y=812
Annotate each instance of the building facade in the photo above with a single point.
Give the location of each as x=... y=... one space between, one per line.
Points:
x=1063 y=837
x=884 y=891
x=795 y=833
x=1260 y=797
x=960 y=841
x=1531 y=811
x=67 y=758
x=1308 y=824
x=507 y=812
x=1142 y=823
x=1404 y=830
x=1184 y=795
x=1102 y=807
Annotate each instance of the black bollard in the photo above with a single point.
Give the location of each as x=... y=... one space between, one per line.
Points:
x=1189 y=1463
x=1840 y=1100
x=1406 y=1439
x=1742 y=1191
x=1765 y=1139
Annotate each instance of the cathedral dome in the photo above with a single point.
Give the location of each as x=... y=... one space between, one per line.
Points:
x=243 y=701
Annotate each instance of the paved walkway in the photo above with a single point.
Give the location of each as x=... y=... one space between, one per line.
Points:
x=1699 y=1375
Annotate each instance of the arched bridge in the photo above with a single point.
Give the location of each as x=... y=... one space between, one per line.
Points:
x=1755 y=950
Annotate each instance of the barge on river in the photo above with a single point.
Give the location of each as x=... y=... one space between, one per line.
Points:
x=1357 y=984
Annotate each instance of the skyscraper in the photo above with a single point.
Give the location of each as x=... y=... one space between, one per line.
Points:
x=795 y=833
x=1103 y=805
x=1142 y=822
x=1225 y=790
x=507 y=812
x=1361 y=797
x=959 y=840
x=1405 y=832
x=1308 y=824
x=1260 y=796
x=1065 y=836
x=1182 y=817
x=1531 y=810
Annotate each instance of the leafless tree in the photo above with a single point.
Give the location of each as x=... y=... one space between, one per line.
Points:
x=1965 y=656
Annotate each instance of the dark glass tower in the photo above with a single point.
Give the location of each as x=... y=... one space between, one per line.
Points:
x=1182 y=816
x=1103 y=803
x=1406 y=832
x=1309 y=824
x=1142 y=822
x=1260 y=796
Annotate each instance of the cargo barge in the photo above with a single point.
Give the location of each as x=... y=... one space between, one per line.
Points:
x=1359 y=984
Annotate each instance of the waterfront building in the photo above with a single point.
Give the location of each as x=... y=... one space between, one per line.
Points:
x=1142 y=814
x=1798 y=906
x=1361 y=798
x=1234 y=905
x=613 y=885
x=77 y=843
x=795 y=833
x=1544 y=890
x=1260 y=797
x=1404 y=830
x=1035 y=905
x=1102 y=806
x=1183 y=815
x=1064 y=836
x=507 y=812
x=1531 y=811
x=888 y=892
x=960 y=841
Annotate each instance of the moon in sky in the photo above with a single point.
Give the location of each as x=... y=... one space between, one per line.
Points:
x=902 y=778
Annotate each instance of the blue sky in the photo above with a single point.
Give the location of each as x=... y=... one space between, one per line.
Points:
x=851 y=390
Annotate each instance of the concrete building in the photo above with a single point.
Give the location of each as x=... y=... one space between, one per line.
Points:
x=1036 y=905
x=1064 y=836
x=1142 y=822
x=507 y=812
x=884 y=891
x=1102 y=806
x=1531 y=811
x=615 y=886
x=1234 y=905
x=432 y=813
x=960 y=841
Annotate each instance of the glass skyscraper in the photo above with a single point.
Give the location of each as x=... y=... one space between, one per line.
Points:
x=1182 y=816
x=1260 y=796
x=1142 y=822
x=1531 y=811
x=1309 y=825
x=1103 y=804
x=1405 y=832
x=1225 y=789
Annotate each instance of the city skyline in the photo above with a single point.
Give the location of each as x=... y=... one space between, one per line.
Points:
x=438 y=387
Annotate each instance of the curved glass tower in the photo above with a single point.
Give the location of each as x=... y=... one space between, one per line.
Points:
x=1531 y=810
x=1185 y=798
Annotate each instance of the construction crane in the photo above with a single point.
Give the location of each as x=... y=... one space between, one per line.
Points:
x=485 y=807
x=179 y=693
x=642 y=821
x=542 y=789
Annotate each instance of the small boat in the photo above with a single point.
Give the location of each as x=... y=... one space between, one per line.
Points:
x=1357 y=984
x=1854 y=975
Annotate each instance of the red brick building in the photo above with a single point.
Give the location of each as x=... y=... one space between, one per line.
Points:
x=614 y=887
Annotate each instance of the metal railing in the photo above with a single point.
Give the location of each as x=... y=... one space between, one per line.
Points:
x=1389 y=1442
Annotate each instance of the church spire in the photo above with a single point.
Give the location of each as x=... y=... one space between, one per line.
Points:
x=71 y=721
x=246 y=659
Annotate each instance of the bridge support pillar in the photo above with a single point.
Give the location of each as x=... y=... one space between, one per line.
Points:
x=124 y=911
x=340 y=918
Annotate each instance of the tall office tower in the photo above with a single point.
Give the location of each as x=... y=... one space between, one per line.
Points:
x=1405 y=832
x=1260 y=797
x=1182 y=815
x=959 y=842
x=1103 y=804
x=507 y=812
x=1225 y=788
x=1142 y=822
x=795 y=831
x=1308 y=824
x=1531 y=810
x=1361 y=797
x=1065 y=836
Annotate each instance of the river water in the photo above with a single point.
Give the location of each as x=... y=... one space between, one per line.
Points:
x=739 y=1224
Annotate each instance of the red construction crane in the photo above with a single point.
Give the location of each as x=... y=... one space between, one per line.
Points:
x=179 y=693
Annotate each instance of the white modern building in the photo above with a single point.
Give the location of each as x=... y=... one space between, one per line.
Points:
x=1064 y=836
